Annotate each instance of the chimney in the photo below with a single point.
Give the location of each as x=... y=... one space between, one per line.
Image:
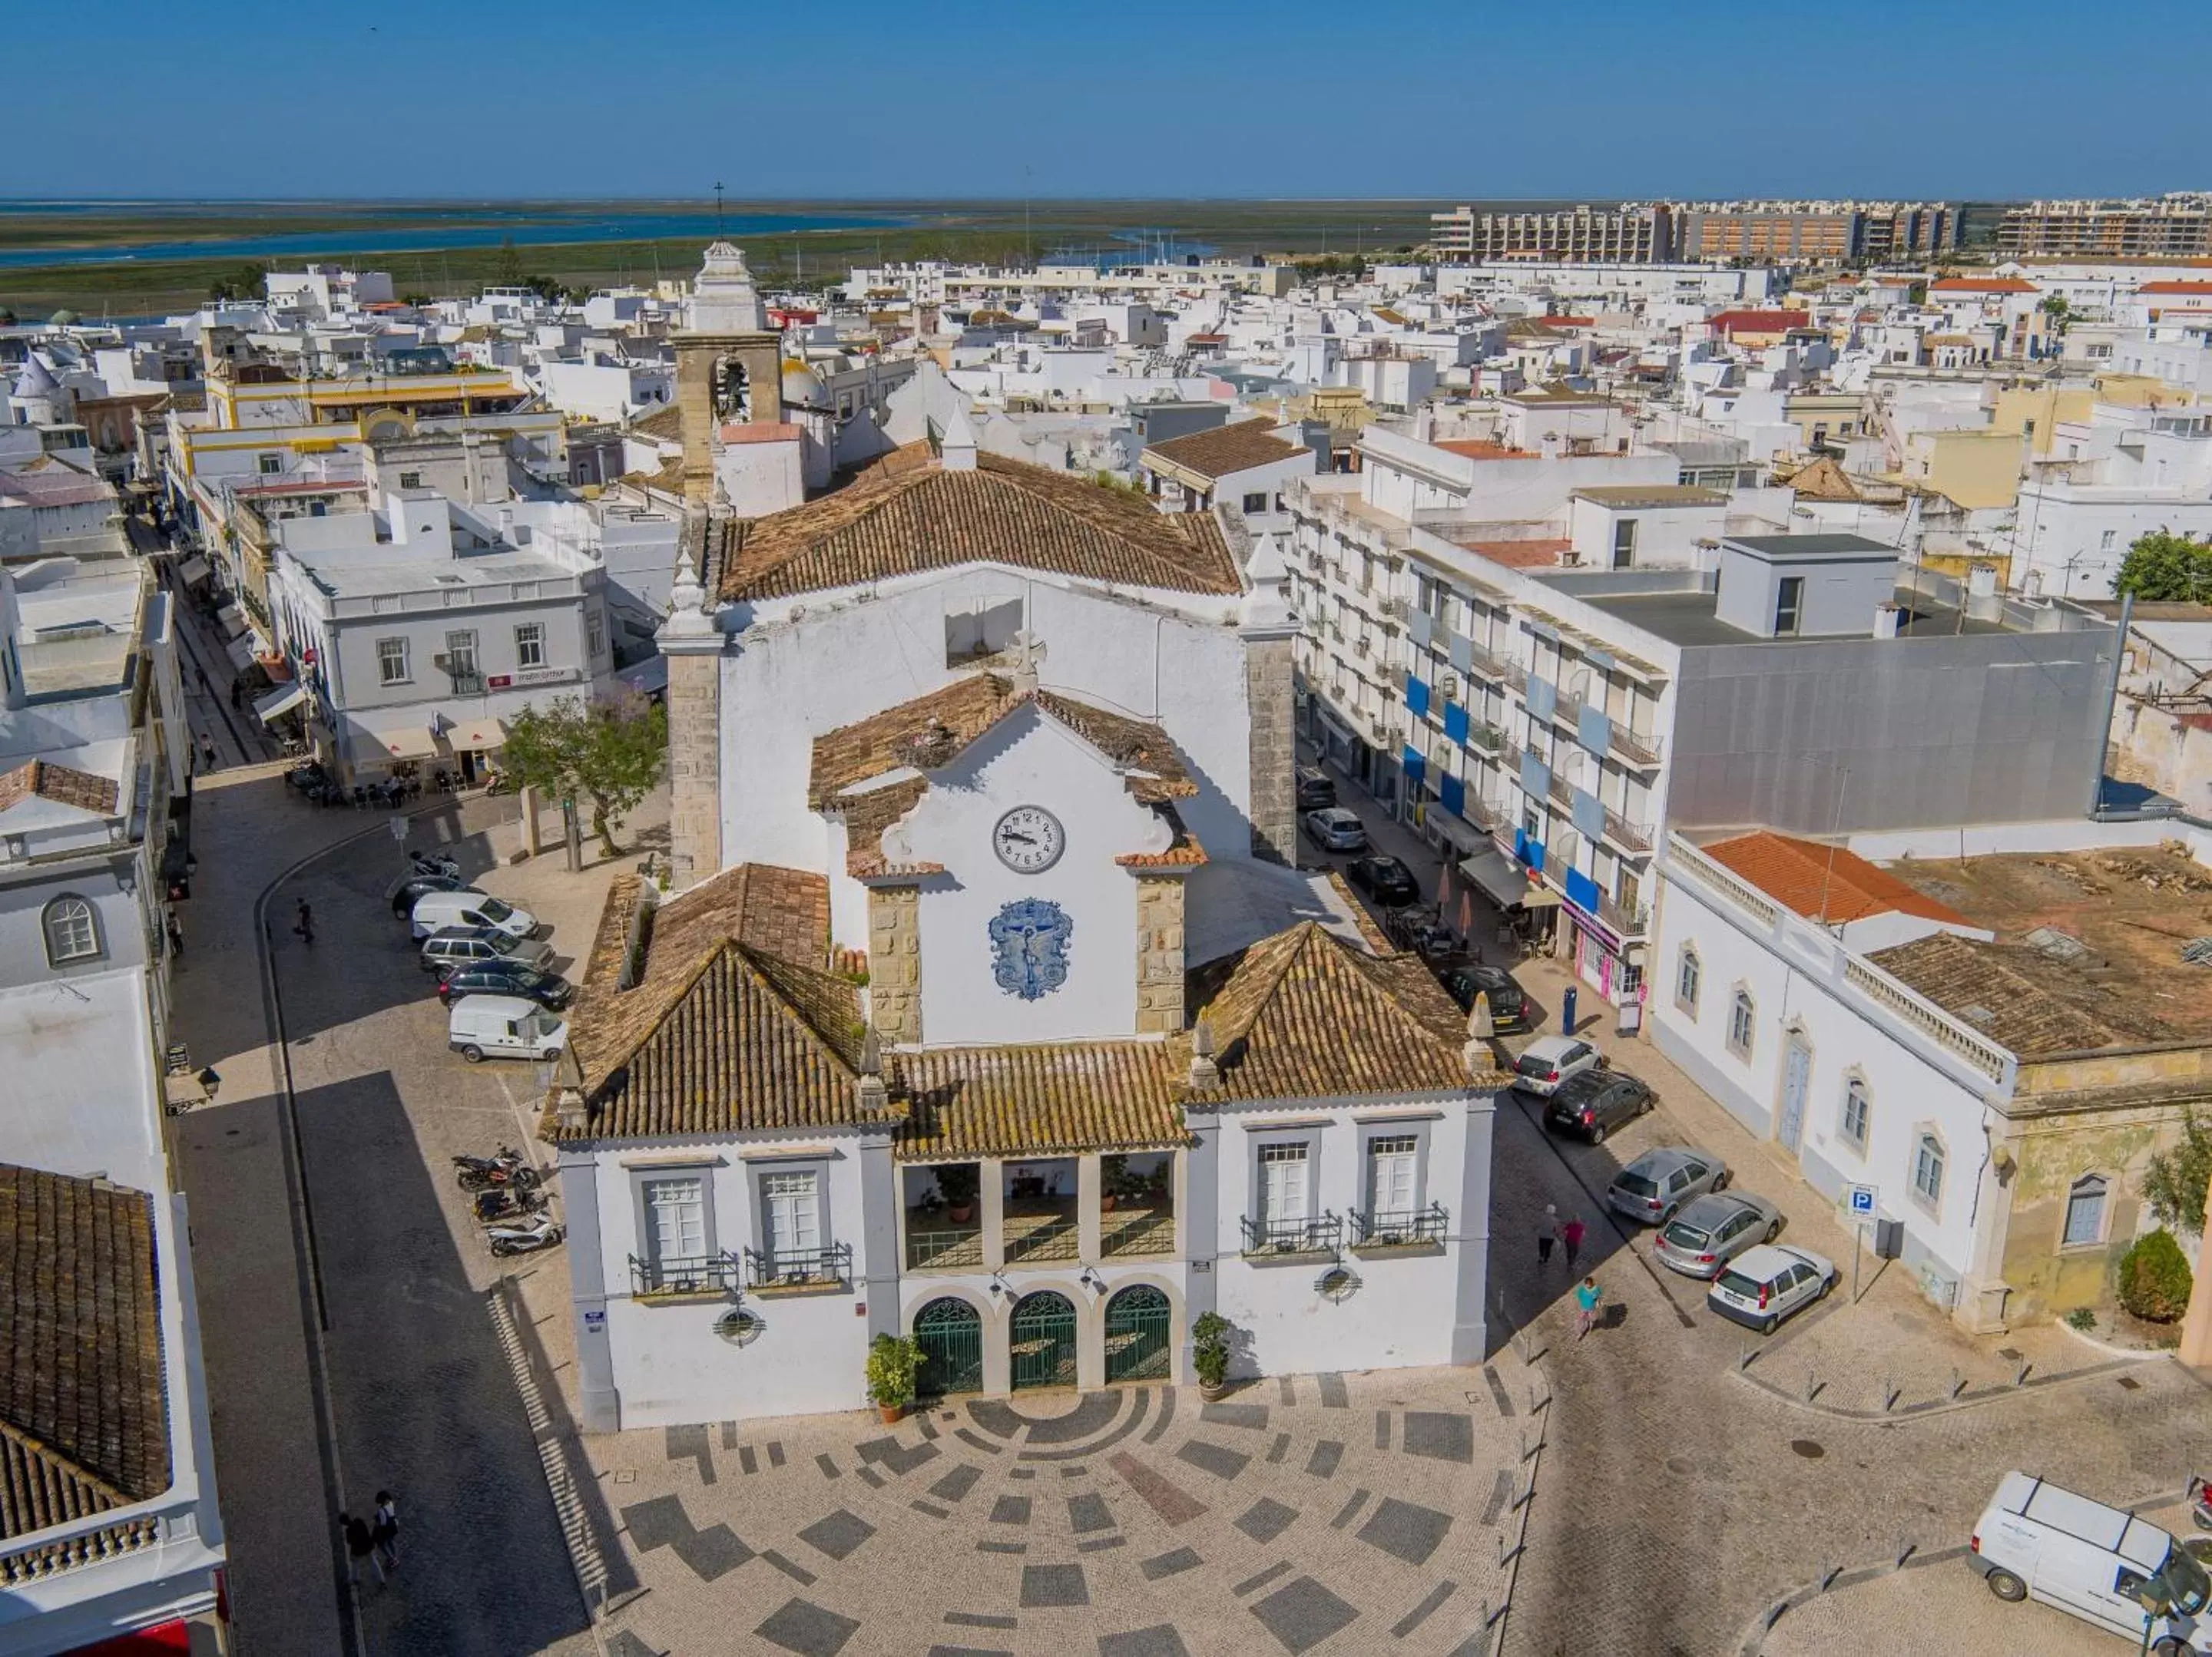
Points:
x=1205 y=1073
x=570 y=1114
x=1984 y=602
x=1886 y=620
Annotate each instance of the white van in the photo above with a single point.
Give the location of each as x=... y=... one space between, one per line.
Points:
x=2103 y=1565
x=435 y=910
x=481 y=1027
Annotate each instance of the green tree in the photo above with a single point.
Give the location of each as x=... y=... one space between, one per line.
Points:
x=2174 y=1182
x=243 y=283
x=2155 y=1277
x=608 y=753
x=2165 y=567
x=507 y=265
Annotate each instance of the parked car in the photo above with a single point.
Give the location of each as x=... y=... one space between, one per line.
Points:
x=1385 y=879
x=1316 y=789
x=460 y=946
x=1590 y=1103
x=1334 y=828
x=1509 y=1006
x=1767 y=1283
x=410 y=887
x=1709 y=1231
x=433 y=910
x=506 y=977
x=481 y=1027
x=1550 y=1059
x=1654 y=1188
x=2101 y=1564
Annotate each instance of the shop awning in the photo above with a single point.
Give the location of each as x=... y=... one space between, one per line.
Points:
x=477 y=735
x=1541 y=897
x=401 y=742
x=280 y=701
x=1498 y=875
x=194 y=570
x=240 y=652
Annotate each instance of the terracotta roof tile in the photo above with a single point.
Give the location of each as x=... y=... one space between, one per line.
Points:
x=899 y=521
x=62 y=785
x=1469 y=448
x=1824 y=883
x=83 y=1411
x=1032 y=1101
x=1541 y=552
x=1758 y=322
x=1982 y=285
x=1226 y=449
x=2021 y=998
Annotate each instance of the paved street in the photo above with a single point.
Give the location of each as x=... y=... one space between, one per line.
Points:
x=1680 y=1497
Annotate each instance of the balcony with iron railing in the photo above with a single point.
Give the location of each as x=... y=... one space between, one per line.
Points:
x=1041 y=1229
x=1322 y=1234
x=1635 y=836
x=784 y=1271
x=1409 y=1229
x=672 y=1275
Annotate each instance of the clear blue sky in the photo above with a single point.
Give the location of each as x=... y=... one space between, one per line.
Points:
x=1457 y=98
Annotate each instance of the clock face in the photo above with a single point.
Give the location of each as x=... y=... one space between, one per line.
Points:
x=1028 y=839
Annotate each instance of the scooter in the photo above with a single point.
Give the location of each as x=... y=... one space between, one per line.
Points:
x=507 y=1203
x=523 y=1237
x=2199 y=1502
x=438 y=863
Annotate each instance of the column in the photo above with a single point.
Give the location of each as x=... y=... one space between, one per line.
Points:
x=992 y=1213
x=695 y=753
x=600 y=1402
x=878 y=1263
x=2197 y=1322
x=895 y=962
x=1198 y=1214
x=1470 y=1235
x=1090 y=1187
x=1160 y=972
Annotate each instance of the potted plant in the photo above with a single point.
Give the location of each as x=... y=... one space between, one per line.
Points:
x=893 y=1362
x=961 y=1182
x=1209 y=1354
x=1113 y=1174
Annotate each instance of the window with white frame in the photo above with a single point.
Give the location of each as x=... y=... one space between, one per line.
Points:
x=1393 y=1174
x=72 y=933
x=529 y=645
x=2085 y=1211
x=461 y=654
x=1853 y=1123
x=675 y=1223
x=1743 y=1018
x=392 y=666
x=1687 y=973
x=1285 y=1189
x=791 y=1210
x=1927 y=1170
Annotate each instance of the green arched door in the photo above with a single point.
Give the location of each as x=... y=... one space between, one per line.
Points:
x=1043 y=1338
x=1137 y=1334
x=950 y=1333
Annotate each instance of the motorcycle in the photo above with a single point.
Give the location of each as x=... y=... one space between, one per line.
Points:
x=439 y=863
x=507 y=1203
x=2199 y=1502
x=508 y=1168
x=524 y=1238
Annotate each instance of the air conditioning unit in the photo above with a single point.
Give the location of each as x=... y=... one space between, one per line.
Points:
x=1448 y=685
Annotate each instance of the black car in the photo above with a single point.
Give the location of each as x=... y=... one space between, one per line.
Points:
x=506 y=978
x=1509 y=1006
x=1315 y=788
x=404 y=894
x=1385 y=879
x=1592 y=1103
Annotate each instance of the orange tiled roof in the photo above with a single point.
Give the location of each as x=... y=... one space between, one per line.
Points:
x=1982 y=285
x=1226 y=449
x=1468 y=448
x=1823 y=883
x=1540 y=554
x=2197 y=289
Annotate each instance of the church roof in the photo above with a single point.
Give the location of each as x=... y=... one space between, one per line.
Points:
x=83 y=1417
x=916 y=516
x=35 y=379
x=931 y=731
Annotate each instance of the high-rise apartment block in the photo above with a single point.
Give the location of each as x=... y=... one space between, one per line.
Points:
x=1782 y=231
x=1629 y=233
x=2174 y=226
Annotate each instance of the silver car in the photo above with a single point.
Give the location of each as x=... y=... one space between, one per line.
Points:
x=1713 y=1230
x=1336 y=828
x=1654 y=1188
x=1764 y=1285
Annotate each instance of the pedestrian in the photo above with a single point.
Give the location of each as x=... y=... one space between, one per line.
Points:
x=1587 y=1296
x=384 y=1530
x=207 y=752
x=202 y=672
x=1547 y=1233
x=361 y=1545
x=304 y=924
x=176 y=938
x=1571 y=1235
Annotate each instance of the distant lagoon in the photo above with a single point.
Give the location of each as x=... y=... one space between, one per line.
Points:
x=462 y=227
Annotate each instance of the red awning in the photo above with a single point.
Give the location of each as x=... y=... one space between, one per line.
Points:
x=162 y=1641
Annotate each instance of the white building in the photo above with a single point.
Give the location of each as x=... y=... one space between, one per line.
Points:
x=417 y=630
x=996 y=1011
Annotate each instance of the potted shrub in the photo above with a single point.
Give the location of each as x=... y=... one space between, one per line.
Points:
x=1113 y=1176
x=893 y=1362
x=961 y=1182
x=1209 y=1354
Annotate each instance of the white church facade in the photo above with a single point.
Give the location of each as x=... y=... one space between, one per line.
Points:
x=987 y=1006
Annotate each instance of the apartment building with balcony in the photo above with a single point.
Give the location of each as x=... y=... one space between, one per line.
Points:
x=1629 y=233
x=1547 y=723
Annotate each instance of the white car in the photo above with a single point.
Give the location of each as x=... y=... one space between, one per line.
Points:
x=1763 y=1285
x=435 y=910
x=1549 y=1060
